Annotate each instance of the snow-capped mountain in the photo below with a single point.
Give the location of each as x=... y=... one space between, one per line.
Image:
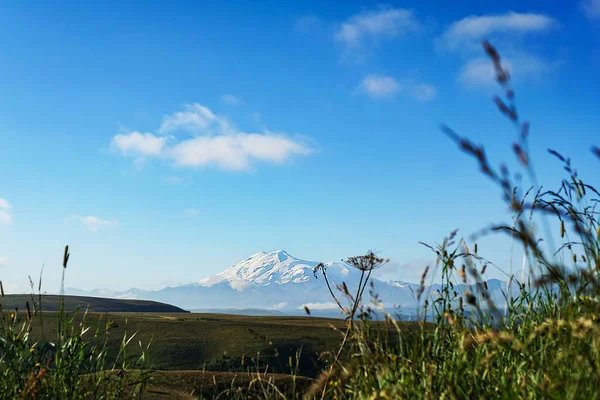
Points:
x=274 y=268
x=275 y=281
x=401 y=284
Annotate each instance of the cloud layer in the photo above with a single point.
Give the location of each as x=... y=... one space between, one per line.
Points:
x=471 y=30
x=232 y=100
x=94 y=223
x=380 y=87
x=196 y=137
x=5 y=212
x=375 y=25
x=465 y=35
x=480 y=71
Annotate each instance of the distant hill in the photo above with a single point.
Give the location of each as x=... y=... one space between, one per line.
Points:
x=235 y=311
x=92 y=304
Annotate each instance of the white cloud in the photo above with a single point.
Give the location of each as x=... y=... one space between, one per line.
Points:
x=191 y=212
x=239 y=284
x=279 y=306
x=380 y=86
x=591 y=8
x=94 y=223
x=424 y=92
x=3 y=261
x=386 y=87
x=4 y=204
x=195 y=118
x=5 y=217
x=471 y=30
x=235 y=152
x=319 y=306
x=5 y=214
x=232 y=100
x=214 y=142
x=140 y=144
x=464 y=36
x=480 y=71
x=384 y=23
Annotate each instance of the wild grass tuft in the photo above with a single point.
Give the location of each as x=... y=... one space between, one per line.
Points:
x=74 y=363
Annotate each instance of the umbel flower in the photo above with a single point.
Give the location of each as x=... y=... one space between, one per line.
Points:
x=366 y=263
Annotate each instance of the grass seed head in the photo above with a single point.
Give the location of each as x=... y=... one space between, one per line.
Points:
x=66 y=257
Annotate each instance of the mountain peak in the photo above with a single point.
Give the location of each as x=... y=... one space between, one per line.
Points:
x=281 y=255
x=274 y=253
x=263 y=269
x=275 y=256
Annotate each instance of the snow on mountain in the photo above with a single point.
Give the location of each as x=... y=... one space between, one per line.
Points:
x=277 y=267
x=401 y=284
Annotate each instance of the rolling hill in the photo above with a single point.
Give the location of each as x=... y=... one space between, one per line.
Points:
x=92 y=304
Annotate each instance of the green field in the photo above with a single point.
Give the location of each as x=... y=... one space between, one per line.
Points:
x=219 y=342
x=201 y=353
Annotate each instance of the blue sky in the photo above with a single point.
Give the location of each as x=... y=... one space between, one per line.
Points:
x=165 y=142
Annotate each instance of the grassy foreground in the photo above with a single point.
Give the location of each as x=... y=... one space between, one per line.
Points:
x=214 y=342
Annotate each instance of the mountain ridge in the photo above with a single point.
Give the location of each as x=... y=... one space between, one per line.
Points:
x=274 y=281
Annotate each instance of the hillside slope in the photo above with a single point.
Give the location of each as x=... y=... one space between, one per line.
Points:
x=92 y=304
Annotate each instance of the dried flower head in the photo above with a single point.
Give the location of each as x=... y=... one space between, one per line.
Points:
x=368 y=262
